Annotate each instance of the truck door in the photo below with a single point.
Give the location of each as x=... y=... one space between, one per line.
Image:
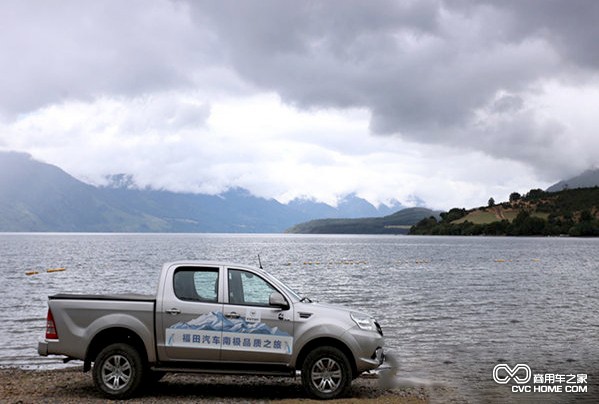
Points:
x=191 y=315
x=254 y=331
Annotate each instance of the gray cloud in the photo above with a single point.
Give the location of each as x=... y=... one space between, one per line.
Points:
x=65 y=50
x=423 y=69
x=570 y=26
x=418 y=66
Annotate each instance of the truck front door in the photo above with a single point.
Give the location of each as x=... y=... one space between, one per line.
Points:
x=191 y=315
x=253 y=330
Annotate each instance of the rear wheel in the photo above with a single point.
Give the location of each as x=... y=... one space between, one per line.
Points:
x=326 y=373
x=118 y=371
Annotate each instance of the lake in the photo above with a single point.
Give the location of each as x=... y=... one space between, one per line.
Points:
x=451 y=308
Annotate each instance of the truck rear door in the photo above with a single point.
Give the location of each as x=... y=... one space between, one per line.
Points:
x=190 y=315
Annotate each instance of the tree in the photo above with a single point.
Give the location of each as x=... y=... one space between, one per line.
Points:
x=586 y=216
x=491 y=202
x=535 y=194
x=453 y=214
x=526 y=225
x=515 y=196
x=424 y=226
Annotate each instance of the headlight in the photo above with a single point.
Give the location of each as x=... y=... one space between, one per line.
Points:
x=364 y=321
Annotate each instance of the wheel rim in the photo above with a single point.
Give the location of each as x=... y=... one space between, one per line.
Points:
x=116 y=372
x=326 y=375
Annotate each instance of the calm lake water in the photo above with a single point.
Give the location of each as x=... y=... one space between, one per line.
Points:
x=452 y=308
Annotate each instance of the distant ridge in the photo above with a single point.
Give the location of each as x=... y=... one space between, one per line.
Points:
x=40 y=197
x=587 y=179
x=397 y=223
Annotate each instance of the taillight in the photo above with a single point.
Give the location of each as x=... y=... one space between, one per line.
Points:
x=50 y=326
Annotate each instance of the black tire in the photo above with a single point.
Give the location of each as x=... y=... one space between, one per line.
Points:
x=118 y=371
x=326 y=373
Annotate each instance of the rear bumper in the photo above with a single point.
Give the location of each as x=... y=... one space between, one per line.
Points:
x=42 y=348
x=48 y=347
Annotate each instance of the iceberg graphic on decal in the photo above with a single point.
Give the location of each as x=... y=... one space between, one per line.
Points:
x=216 y=321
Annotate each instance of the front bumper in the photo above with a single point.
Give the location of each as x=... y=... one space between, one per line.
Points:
x=368 y=348
x=379 y=355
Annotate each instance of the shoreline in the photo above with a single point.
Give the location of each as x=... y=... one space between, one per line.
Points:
x=71 y=385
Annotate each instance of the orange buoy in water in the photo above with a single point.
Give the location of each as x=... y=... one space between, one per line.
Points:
x=56 y=270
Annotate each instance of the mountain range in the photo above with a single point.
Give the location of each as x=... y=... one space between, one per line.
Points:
x=39 y=197
x=35 y=196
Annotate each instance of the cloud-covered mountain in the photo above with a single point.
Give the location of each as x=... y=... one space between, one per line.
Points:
x=587 y=179
x=35 y=196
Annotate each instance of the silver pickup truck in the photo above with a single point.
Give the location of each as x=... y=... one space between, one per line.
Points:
x=212 y=317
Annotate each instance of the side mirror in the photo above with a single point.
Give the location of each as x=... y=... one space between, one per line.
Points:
x=277 y=300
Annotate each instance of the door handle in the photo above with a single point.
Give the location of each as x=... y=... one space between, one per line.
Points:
x=174 y=311
x=232 y=315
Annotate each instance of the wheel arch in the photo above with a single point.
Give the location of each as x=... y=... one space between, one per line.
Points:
x=111 y=336
x=326 y=341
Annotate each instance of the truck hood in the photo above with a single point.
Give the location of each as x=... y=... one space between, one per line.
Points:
x=321 y=308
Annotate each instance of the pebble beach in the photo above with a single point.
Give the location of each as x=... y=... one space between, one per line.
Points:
x=71 y=385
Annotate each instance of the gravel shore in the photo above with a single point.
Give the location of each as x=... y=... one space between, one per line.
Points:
x=73 y=386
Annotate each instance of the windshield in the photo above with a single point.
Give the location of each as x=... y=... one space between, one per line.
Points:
x=293 y=294
x=290 y=291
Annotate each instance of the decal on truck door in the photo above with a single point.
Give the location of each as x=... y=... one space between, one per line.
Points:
x=237 y=334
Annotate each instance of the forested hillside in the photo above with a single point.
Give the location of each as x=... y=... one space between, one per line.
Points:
x=573 y=212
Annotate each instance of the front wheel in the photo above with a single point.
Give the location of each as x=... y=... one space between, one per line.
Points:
x=118 y=371
x=326 y=373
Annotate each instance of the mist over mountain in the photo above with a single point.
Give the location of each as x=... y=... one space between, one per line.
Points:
x=36 y=196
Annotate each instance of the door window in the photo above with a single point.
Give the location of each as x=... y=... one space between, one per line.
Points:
x=196 y=284
x=246 y=288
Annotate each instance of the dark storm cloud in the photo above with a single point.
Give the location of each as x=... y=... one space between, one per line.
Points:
x=331 y=54
x=413 y=64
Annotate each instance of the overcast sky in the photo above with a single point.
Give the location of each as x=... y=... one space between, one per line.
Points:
x=443 y=102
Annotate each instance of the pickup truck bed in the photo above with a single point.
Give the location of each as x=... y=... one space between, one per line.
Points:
x=132 y=297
